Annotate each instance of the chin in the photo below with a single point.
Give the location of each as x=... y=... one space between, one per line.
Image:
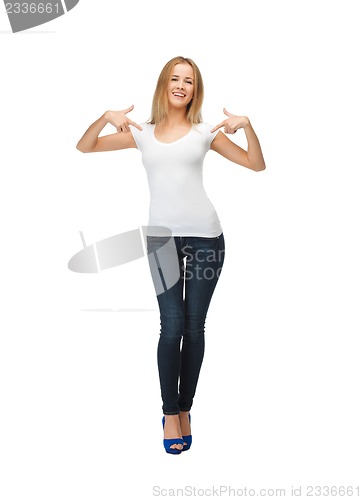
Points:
x=178 y=104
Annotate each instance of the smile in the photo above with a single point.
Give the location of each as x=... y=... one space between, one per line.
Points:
x=178 y=94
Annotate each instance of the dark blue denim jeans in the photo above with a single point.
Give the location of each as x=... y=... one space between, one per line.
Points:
x=185 y=271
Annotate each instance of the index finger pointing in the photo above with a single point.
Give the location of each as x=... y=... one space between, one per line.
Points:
x=217 y=127
x=135 y=124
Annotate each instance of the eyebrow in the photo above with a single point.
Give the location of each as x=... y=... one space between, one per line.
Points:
x=187 y=77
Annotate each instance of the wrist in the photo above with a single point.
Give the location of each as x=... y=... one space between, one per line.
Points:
x=247 y=122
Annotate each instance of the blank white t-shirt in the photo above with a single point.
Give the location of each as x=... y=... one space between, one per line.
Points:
x=174 y=170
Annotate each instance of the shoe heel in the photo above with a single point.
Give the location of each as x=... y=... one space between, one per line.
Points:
x=187 y=439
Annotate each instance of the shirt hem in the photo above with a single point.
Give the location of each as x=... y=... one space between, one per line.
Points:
x=200 y=235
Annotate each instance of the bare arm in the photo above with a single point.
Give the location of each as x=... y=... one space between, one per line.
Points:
x=122 y=139
x=253 y=157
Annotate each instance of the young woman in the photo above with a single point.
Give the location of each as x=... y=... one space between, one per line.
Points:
x=184 y=232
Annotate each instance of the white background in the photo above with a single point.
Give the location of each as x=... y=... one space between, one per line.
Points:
x=279 y=397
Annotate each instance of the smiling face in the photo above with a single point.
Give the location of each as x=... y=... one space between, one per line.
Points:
x=180 y=88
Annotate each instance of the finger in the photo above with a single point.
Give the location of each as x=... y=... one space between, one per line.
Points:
x=226 y=112
x=135 y=124
x=217 y=127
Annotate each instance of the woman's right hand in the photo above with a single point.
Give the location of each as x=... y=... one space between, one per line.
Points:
x=119 y=120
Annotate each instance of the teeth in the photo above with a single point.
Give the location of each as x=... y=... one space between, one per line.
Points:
x=179 y=95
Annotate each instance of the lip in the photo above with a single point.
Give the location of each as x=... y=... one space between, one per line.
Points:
x=179 y=94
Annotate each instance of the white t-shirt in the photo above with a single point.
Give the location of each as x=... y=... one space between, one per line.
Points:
x=174 y=170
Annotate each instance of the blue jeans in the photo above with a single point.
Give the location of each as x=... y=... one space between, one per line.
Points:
x=184 y=292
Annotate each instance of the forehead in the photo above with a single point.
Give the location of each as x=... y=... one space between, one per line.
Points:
x=183 y=69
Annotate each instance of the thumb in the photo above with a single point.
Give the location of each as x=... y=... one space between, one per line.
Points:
x=129 y=109
x=226 y=112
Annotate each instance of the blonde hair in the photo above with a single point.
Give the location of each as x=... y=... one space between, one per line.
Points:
x=159 y=108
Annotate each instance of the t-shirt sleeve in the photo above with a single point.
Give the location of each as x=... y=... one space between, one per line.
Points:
x=208 y=135
x=137 y=135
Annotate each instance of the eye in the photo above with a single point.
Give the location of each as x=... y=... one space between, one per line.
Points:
x=191 y=83
x=174 y=79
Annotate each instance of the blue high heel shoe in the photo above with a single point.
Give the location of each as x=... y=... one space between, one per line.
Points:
x=170 y=442
x=187 y=439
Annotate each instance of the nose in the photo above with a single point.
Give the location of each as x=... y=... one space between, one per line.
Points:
x=180 y=85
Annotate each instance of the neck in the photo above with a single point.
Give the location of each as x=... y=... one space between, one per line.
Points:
x=175 y=117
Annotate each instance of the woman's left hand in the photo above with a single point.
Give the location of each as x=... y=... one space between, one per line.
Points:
x=232 y=123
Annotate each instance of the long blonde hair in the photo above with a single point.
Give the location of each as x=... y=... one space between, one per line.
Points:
x=159 y=108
